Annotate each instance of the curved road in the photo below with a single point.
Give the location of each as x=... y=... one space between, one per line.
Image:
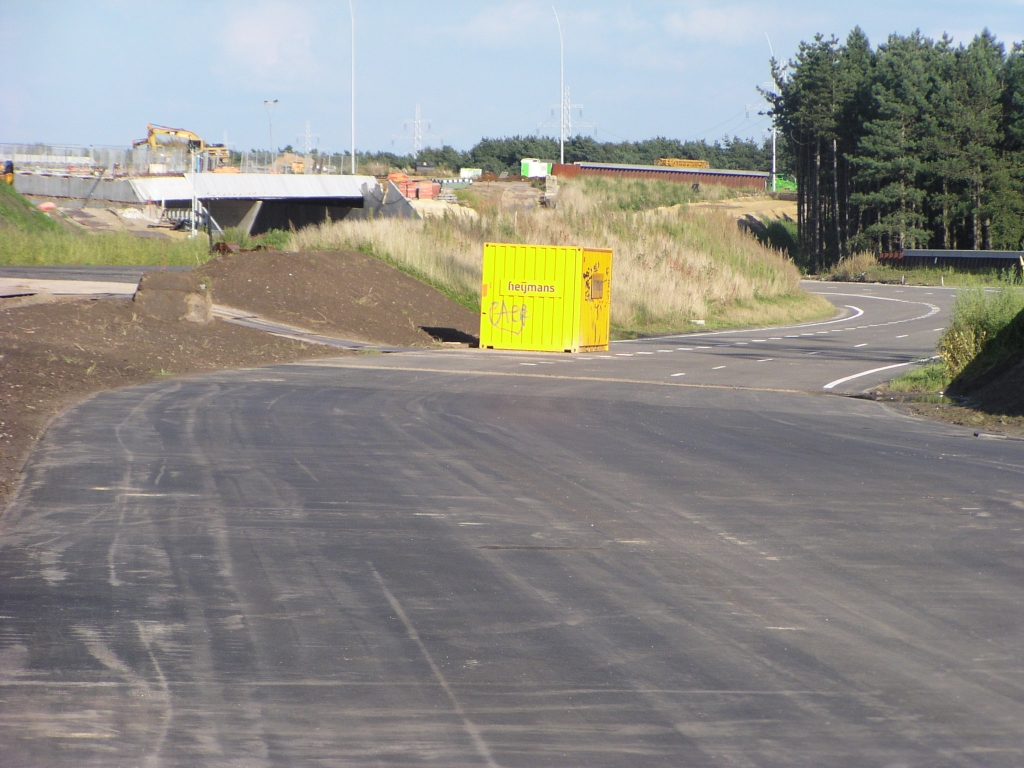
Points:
x=684 y=552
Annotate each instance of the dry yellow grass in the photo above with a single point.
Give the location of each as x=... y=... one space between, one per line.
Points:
x=672 y=265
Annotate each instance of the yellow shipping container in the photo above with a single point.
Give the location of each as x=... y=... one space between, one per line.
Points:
x=545 y=298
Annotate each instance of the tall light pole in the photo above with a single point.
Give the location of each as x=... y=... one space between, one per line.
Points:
x=352 y=17
x=270 y=119
x=561 y=90
x=771 y=50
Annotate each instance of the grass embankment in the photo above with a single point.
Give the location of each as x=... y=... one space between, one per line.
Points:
x=864 y=268
x=672 y=265
x=18 y=214
x=30 y=237
x=985 y=339
x=115 y=248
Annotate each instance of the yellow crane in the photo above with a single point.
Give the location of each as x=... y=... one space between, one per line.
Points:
x=159 y=135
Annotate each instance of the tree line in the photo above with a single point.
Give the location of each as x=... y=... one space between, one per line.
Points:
x=505 y=154
x=917 y=143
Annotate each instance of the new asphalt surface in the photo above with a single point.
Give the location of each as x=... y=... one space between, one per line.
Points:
x=687 y=551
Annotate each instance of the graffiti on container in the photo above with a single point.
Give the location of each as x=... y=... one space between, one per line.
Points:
x=505 y=317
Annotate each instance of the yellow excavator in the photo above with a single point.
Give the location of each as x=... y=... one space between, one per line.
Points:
x=160 y=135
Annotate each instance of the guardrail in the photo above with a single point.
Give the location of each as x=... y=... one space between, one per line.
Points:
x=918 y=257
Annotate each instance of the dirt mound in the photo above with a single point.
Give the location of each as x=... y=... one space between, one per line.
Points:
x=344 y=294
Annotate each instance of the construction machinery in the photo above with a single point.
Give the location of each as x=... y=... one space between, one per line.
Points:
x=675 y=162
x=160 y=135
x=9 y=172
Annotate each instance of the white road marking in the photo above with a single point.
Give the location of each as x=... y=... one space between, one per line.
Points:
x=623 y=354
x=766 y=360
x=684 y=349
x=794 y=336
x=774 y=338
x=527 y=363
x=857 y=313
x=664 y=350
x=845 y=379
x=703 y=347
x=855 y=346
x=645 y=353
x=677 y=374
x=938 y=329
x=903 y=336
x=816 y=352
x=718 y=368
x=471 y=728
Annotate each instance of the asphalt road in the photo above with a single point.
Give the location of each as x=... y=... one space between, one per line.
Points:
x=474 y=559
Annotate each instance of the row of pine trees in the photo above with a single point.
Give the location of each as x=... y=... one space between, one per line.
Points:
x=914 y=144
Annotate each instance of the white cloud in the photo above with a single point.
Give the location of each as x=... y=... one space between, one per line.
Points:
x=734 y=24
x=269 y=43
x=507 y=23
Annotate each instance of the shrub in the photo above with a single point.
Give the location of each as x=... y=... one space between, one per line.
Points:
x=986 y=327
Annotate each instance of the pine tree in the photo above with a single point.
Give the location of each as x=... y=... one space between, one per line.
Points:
x=888 y=165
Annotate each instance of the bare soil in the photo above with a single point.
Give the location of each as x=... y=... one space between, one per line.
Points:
x=55 y=353
x=344 y=294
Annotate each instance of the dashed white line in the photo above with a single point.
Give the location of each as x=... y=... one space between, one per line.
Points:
x=623 y=354
x=766 y=360
x=718 y=368
x=684 y=349
x=527 y=363
x=677 y=374
x=855 y=346
x=664 y=350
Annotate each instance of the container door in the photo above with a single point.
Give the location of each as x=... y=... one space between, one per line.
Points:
x=596 y=295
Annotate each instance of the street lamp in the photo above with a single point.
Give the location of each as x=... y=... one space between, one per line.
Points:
x=561 y=91
x=352 y=16
x=270 y=118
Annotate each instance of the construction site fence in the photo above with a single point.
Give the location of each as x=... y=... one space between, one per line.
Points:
x=145 y=161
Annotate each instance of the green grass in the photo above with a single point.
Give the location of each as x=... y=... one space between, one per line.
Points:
x=274 y=239
x=933 y=377
x=115 y=248
x=29 y=238
x=633 y=195
x=864 y=267
x=17 y=213
x=780 y=235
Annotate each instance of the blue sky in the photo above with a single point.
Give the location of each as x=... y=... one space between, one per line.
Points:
x=96 y=72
